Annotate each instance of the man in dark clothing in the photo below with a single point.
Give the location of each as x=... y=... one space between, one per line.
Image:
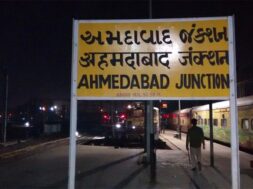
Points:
x=195 y=137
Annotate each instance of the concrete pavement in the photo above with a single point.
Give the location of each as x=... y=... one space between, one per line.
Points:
x=222 y=159
x=122 y=171
x=106 y=167
x=13 y=149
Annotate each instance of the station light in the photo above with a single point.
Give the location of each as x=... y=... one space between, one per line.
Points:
x=129 y=106
x=42 y=108
x=77 y=134
x=164 y=105
x=105 y=116
x=174 y=115
x=27 y=124
x=165 y=116
x=118 y=125
x=122 y=116
x=53 y=108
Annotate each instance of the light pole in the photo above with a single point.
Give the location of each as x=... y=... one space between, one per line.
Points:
x=6 y=106
x=4 y=72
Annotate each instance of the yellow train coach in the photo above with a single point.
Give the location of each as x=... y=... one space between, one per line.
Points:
x=221 y=121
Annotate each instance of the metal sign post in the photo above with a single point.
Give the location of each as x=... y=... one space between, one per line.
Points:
x=235 y=162
x=150 y=125
x=6 y=107
x=148 y=129
x=151 y=156
x=4 y=73
x=73 y=112
x=211 y=134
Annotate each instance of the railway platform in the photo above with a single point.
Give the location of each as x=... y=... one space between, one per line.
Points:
x=218 y=176
x=104 y=167
x=173 y=170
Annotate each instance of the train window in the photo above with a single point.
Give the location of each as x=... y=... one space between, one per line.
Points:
x=205 y=122
x=223 y=122
x=138 y=113
x=175 y=121
x=201 y=121
x=215 y=122
x=129 y=123
x=245 y=124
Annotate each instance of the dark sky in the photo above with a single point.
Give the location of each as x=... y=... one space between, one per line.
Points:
x=35 y=37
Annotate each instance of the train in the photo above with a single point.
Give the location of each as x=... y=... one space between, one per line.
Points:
x=221 y=121
x=130 y=124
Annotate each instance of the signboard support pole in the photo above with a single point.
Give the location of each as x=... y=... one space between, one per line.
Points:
x=151 y=146
x=150 y=134
x=149 y=105
x=72 y=149
x=148 y=129
x=73 y=112
x=235 y=166
x=5 y=108
x=211 y=134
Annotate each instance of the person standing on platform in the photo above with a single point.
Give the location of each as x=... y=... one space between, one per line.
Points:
x=195 y=137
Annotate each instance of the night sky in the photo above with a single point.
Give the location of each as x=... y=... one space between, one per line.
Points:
x=35 y=38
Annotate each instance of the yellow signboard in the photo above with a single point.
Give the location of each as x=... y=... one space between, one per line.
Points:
x=153 y=59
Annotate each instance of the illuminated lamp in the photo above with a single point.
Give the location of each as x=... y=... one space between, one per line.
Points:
x=164 y=105
x=165 y=116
